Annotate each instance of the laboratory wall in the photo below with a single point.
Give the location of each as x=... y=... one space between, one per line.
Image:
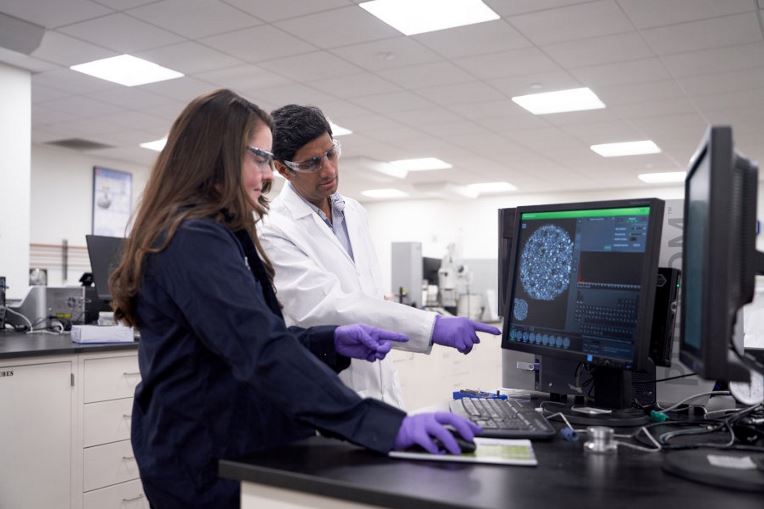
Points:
x=15 y=136
x=62 y=188
x=471 y=224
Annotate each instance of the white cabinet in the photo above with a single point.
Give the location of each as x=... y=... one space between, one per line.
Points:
x=65 y=432
x=36 y=432
x=110 y=477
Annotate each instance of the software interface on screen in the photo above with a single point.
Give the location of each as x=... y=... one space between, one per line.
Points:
x=577 y=281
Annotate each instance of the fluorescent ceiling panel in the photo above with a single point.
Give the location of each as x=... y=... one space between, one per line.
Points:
x=421 y=164
x=127 y=70
x=561 y=101
x=628 y=148
x=419 y=16
x=384 y=193
x=339 y=130
x=663 y=177
x=157 y=145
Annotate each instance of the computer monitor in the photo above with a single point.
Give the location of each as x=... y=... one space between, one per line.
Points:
x=581 y=286
x=719 y=256
x=104 y=253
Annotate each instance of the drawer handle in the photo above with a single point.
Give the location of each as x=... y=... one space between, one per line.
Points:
x=131 y=373
x=133 y=499
x=128 y=458
x=127 y=416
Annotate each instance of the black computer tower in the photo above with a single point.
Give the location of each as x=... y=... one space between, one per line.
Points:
x=506 y=235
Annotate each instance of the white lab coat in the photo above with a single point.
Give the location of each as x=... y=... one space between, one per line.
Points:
x=318 y=283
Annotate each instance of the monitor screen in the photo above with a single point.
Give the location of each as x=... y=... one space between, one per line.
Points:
x=430 y=268
x=719 y=255
x=583 y=281
x=104 y=253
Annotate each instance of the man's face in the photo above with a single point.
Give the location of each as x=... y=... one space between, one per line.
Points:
x=316 y=186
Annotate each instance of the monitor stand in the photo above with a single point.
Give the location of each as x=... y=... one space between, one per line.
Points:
x=613 y=398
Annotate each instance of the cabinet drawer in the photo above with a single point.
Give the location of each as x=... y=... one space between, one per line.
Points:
x=109 y=464
x=106 y=421
x=110 y=378
x=128 y=495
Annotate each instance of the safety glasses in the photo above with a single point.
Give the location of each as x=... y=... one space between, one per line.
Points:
x=314 y=164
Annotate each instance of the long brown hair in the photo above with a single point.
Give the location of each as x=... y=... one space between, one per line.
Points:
x=197 y=174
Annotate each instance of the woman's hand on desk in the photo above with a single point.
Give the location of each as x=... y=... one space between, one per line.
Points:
x=428 y=431
x=360 y=341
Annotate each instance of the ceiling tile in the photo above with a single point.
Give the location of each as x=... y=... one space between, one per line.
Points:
x=121 y=5
x=723 y=82
x=392 y=103
x=599 y=50
x=83 y=107
x=194 y=18
x=313 y=66
x=421 y=119
x=505 y=8
x=427 y=75
x=64 y=50
x=613 y=95
x=242 y=77
x=25 y=62
x=633 y=71
x=258 y=44
x=535 y=83
x=705 y=34
x=72 y=82
x=131 y=98
x=655 y=108
x=571 y=23
x=490 y=37
x=511 y=63
x=53 y=14
x=339 y=27
x=473 y=91
x=654 y=13
x=733 y=58
x=42 y=93
x=121 y=33
x=293 y=93
x=387 y=53
x=269 y=10
x=356 y=85
x=188 y=57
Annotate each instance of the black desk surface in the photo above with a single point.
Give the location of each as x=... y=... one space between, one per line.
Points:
x=15 y=345
x=565 y=477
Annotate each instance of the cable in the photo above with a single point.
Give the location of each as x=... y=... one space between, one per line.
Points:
x=9 y=310
x=669 y=378
x=690 y=398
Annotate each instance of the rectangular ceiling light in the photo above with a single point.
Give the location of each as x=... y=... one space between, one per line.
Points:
x=339 y=130
x=419 y=16
x=665 y=177
x=127 y=70
x=491 y=187
x=384 y=193
x=574 y=99
x=628 y=148
x=157 y=145
x=421 y=164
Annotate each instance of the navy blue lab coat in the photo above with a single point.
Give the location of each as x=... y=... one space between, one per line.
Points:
x=222 y=376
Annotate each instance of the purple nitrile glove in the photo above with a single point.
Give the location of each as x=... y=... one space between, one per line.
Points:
x=361 y=341
x=422 y=429
x=459 y=332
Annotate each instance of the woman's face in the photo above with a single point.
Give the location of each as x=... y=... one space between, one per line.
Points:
x=256 y=166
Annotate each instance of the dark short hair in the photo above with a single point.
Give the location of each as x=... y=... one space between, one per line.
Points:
x=295 y=126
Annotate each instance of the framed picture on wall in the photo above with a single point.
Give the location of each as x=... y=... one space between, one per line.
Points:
x=112 y=201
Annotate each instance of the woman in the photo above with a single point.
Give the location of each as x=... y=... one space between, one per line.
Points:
x=221 y=374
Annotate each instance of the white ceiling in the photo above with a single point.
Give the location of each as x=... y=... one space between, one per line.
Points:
x=664 y=68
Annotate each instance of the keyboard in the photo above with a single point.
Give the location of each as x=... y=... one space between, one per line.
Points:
x=505 y=418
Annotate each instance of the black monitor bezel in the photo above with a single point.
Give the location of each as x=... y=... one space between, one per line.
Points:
x=94 y=244
x=722 y=266
x=648 y=282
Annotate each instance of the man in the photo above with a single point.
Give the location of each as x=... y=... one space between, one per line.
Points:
x=323 y=255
